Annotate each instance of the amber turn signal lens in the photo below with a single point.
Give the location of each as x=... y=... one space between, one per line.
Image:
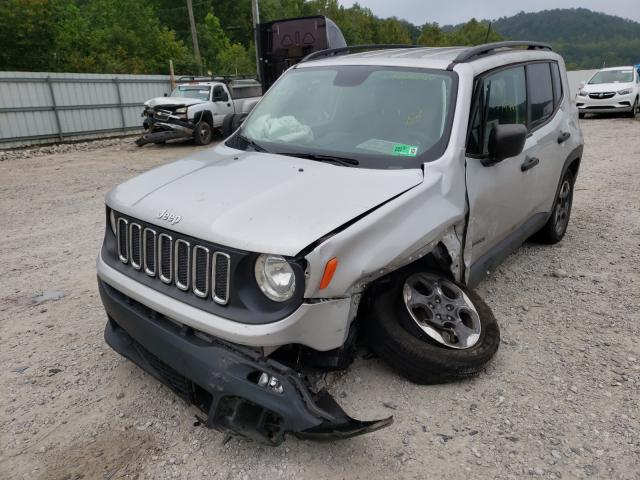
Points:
x=329 y=270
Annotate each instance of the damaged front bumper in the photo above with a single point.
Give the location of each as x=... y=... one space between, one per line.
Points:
x=237 y=388
x=164 y=125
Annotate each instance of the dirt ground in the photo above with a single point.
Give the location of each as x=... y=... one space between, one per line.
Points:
x=560 y=400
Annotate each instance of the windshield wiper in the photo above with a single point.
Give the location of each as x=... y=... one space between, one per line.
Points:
x=345 y=161
x=257 y=147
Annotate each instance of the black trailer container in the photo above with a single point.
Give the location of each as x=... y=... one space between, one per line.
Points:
x=283 y=43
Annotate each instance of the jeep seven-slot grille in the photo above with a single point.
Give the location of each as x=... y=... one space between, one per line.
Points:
x=174 y=260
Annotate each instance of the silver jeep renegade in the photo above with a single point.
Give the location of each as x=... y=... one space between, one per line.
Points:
x=360 y=201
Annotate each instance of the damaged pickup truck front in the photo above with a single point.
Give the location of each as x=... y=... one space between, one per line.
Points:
x=362 y=199
x=197 y=107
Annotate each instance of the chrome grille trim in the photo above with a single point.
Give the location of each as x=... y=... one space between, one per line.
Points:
x=194 y=272
x=137 y=265
x=123 y=230
x=175 y=260
x=177 y=257
x=224 y=298
x=147 y=270
x=161 y=239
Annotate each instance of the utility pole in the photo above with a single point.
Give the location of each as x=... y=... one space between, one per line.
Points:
x=194 y=36
x=255 y=11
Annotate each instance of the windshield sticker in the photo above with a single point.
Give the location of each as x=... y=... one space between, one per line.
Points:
x=386 y=147
x=377 y=145
x=405 y=150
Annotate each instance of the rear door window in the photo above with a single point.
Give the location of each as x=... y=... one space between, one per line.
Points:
x=540 y=89
x=557 y=84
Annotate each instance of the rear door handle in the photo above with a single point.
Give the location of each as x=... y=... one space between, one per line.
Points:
x=529 y=163
x=564 y=136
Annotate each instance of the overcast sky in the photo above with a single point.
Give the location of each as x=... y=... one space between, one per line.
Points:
x=453 y=12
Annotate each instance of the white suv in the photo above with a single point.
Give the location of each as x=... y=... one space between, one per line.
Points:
x=365 y=193
x=611 y=90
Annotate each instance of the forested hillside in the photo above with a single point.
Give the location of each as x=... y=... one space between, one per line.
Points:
x=140 y=36
x=586 y=39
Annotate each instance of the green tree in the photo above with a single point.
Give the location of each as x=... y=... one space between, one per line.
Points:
x=213 y=41
x=237 y=60
x=432 y=36
x=30 y=33
x=126 y=36
x=392 y=31
x=471 y=33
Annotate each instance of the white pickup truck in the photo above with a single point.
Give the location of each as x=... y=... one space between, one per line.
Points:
x=197 y=106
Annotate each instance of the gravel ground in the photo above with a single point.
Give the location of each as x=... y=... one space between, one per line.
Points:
x=560 y=400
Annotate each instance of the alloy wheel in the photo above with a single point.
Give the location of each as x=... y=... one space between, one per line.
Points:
x=563 y=207
x=442 y=310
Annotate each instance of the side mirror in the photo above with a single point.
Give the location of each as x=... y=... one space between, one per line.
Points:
x=506 y=141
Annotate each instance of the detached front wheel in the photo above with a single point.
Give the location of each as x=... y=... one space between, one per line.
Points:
x=431 y=329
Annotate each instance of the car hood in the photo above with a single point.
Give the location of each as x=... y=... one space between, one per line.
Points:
x=606 y=87
x=172 y=101
x=257 y=201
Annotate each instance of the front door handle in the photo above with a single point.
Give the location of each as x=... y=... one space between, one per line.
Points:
x=529 y=163
x=564 y=136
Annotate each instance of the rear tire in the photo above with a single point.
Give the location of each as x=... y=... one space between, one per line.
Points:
x=203 y=133
x=395 y=336
x=553 y=231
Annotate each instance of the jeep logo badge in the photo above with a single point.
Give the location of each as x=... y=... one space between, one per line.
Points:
x=167 y=216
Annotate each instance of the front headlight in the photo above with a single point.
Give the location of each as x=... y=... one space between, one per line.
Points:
x=582 y=93
x=112 y=221
x=626 y=91
x=275 y=277
x=181 y=110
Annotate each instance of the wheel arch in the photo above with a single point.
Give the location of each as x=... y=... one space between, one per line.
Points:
x=438 y=260
x=573 y=164
x=205 y=115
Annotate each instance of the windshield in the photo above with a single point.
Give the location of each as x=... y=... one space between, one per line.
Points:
x=192 y=91
x=385 y=117
x=612 y=76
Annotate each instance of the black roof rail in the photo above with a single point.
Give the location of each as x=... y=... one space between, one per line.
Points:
x=488 y=48
x=214 y=78
x=352 y=49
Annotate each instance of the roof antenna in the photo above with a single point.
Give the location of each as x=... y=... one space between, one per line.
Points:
x=486 y=39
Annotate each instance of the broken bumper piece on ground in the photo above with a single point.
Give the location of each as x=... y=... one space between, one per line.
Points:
x=161 y=131
x=237 y=388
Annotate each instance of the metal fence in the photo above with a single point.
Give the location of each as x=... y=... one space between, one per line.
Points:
x=56 y=107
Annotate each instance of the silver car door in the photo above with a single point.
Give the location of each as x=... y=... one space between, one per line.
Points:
x=550 y=131
x=499 y=195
